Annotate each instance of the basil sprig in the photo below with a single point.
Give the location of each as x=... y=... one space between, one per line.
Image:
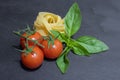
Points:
x=72 y=20
x=83 y=46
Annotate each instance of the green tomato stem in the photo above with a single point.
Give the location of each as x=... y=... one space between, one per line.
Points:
x=34 y=41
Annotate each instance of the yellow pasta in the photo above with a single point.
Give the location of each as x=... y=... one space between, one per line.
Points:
x=46 y=21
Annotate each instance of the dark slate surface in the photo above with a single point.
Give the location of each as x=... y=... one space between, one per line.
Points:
x=101 y=19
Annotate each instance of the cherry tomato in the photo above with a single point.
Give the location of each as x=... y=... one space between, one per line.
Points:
x=33 y=59
x=35 y=36
x=52 y=51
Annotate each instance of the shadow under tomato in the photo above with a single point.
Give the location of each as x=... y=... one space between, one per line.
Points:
x=27 y=69
x=49 y=60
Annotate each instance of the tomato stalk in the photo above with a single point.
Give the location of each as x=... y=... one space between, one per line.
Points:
x=29 y=31
x=28 y=49
x=18 y=33
x=50 y=40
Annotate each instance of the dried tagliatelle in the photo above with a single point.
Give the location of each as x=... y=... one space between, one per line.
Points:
x=46 y=21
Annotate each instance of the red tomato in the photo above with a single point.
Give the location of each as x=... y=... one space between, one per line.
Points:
x=33 y=59
x=35 y=36
x=52 y=51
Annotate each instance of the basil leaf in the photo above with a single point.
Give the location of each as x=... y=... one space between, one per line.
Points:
x=63 y=61
x=72 y=20
x=92 y=45
x=61 y=36
x=55 y=33
x=78 y=49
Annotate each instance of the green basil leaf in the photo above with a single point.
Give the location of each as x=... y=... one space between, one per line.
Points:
x=78 y=49
x=92 y=45
x=63 y=61
x=61 y=36
x=55 y=33
x=72 y=20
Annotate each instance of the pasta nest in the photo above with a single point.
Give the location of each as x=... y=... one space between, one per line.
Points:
x=46 y=21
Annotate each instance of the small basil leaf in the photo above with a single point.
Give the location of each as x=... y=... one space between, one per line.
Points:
x=92 y=45
x=55 y=33
x=60 y=36
x=72 y=20
x=78 y=49
x=63 y=61
x=63 y=37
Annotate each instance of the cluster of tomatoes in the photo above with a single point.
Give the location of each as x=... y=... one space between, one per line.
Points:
x=36 y=48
